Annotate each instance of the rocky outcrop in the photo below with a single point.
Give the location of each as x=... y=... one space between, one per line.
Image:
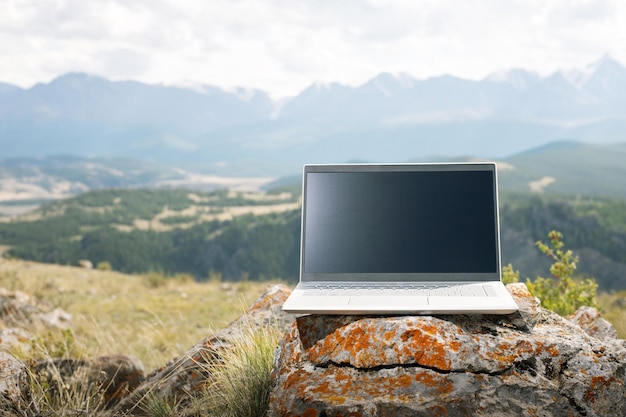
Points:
x=14 y=338
x=532 y=363
x=187 y=375
x=15 y=395
x=18 y=309
x=590 y=320
x=119 y=380
x=114 y=376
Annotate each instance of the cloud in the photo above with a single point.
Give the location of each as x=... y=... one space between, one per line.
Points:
x=283 y=46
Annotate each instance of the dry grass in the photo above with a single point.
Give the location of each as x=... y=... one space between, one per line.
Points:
x=613 y=308
x=158 y=318
x=150 y=316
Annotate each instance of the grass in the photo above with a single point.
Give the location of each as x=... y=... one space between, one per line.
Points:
x=61 y=399
x=613 y=309
x=152 y=317
x=148 y=316
x=240 y=381
x=158 y=318
x=238 y=384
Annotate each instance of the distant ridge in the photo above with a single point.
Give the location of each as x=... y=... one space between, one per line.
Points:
x=574 y=168
x=244 y=132
x=553 y=146
x=565 y=167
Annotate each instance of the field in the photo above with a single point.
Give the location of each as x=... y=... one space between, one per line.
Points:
x=613 y=307
x=153 y=317
x=150 y=316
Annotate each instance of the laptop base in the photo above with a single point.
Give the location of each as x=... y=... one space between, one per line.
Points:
x=502 y=303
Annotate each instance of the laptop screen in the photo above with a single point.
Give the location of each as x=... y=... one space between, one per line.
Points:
x=414 y=222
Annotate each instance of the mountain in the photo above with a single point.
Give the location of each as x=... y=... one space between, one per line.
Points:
x=25 y=183
x=87 y=115
x=568 y=168
x=244 y=132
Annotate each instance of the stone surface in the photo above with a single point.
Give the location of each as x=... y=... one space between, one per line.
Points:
x=14 y=339
x=15 y=397
x=18 y=309
x=590 y=320
x=188 y=374
x=531 y=363
x=85 y=263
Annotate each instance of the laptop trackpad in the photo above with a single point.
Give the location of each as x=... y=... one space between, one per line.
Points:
x=396 y=301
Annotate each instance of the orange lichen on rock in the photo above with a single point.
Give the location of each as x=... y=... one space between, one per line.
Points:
x=438 y=382
x=600 y=383
x=310 y=412
x=520 y=291
x=530 y=363
x=509 y=351
x=346 y=385
x=427 y=349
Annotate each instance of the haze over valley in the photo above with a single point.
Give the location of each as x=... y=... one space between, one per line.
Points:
x=133 y=162
x=244 y=132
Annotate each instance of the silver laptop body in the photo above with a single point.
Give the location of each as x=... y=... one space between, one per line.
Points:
x=400 y=239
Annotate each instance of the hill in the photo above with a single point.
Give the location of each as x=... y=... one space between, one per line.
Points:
x=244 y=132
x=562 y=167
x=568 y=168
x=255 y=236
x=239 y=235
x=25 y=183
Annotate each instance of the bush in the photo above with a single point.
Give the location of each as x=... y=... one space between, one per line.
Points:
x=104 y=266
x=154 y=279
x=509 y=275
x=562 y=293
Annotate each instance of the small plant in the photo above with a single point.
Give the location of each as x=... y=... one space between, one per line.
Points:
x=155 y=406
x=104 y=266
x=58 y=344
x=55 y=395
x=155 y=279
x=562 y=293
x=509 y=275
x=56 y=387
x=239 y=384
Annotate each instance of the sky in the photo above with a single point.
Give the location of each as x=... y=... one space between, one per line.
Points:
x=283 y=46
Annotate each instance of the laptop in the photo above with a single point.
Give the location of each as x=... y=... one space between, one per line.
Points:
x=400 y=239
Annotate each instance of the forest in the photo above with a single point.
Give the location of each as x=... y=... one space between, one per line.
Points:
x=219 y=233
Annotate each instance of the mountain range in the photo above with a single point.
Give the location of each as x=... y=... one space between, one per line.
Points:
x=244 y=132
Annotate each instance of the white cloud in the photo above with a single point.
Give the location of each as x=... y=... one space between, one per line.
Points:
x=283 y=46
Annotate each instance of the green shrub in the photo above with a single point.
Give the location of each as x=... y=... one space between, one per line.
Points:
x=509 y=275
x=104 y=266
x=563 y=293
x=154 y=279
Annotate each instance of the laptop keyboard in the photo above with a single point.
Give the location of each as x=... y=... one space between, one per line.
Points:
x=384 y=289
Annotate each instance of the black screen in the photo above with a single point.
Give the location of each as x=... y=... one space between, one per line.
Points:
x=401 y=222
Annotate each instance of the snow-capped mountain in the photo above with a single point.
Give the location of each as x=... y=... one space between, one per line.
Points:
x=390 y=117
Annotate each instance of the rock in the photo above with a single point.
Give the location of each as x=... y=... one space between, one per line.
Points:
x=188 y=374
x=15 y=396
x=114 y=376
x=57 y=318
x=84 y=263
x=589 y=319
x=12 y=339
x=18 y=309
x=531 y=363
